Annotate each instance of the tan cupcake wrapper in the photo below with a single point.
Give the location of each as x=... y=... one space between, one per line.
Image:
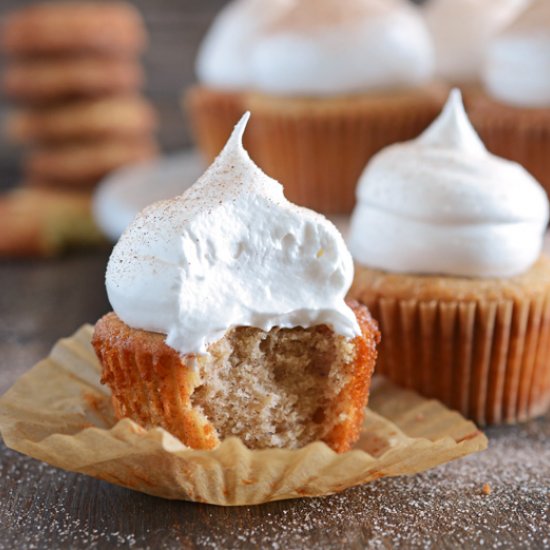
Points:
x=213 y=115
x=515 y=133
x=317 y=148
x=487 y=359
x=60 y=413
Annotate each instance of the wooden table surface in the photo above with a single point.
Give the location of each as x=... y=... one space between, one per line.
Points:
x=42 y=507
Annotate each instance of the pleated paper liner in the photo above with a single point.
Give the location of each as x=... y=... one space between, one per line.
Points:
x=213 y=115
x=318 y=148
x=488 y=358
x=520 y=134
x=60 y=413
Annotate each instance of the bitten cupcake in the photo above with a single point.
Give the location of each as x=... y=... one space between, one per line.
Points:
x=512 y=113
x=330 y=83
x=447 y=241
x=229 y=317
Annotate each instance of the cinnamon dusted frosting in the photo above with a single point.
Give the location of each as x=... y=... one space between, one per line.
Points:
x=231 y=251
x=461 y=31
x=442 y=204
x=317 y=47
x=517 y=64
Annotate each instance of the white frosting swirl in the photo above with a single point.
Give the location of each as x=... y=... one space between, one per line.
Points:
x=323 y=47
x=316 y=47
x=231 y=251
x=223 y=60
x=442 y=204
x=517 y=64
x=461 y=31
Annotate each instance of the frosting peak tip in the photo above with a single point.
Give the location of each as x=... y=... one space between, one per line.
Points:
x=235 y=141
x=233 y=148
x=238 y=131
x=453 y=127
x=455 y=99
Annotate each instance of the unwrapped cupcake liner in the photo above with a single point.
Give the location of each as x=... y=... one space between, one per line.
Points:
x=60 y=413
x=486 y=359
x=318 y=148
x=213 y=115
x=515 y=133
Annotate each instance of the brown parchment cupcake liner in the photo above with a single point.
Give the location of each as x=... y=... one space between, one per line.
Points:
x=516 y=133
x=318 y=148
x=60 y=413
x=148 y=382
x=487 y=356
x=213 y=115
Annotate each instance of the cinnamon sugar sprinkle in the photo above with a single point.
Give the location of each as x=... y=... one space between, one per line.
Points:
x=441 y=508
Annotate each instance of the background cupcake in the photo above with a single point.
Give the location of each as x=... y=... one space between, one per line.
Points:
x=329 y=84
x=447 y=239
x=512 y=112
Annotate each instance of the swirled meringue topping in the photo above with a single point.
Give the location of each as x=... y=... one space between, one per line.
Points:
x=442 y=204
x=223 y=60
x=517 y=64
x=316 y=47
x=461 y=31
x=231 y=251
x=320 y=47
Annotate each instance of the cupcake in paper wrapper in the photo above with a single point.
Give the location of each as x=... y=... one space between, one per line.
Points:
x=447 y=240
x=60 y=413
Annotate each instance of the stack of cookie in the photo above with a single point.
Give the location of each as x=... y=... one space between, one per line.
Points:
x=73 y=70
